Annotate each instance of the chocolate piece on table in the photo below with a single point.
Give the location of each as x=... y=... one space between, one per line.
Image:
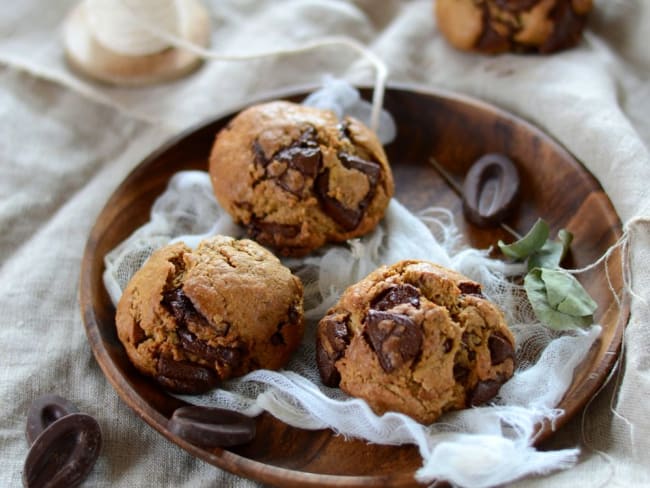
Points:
x=490 y=190
x=44 y=411
x=64 y=453
x=211 y=427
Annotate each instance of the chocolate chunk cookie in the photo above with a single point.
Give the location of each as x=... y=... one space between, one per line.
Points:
x=415 y=338
x=296 y=177
x=190 y=318
x=497 y=26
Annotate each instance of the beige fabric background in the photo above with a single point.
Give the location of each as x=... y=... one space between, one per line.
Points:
x=66 y=143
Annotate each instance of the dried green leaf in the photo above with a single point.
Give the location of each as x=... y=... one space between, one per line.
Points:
x=527 y=245
x=566 y=238
x=558 y=299
x=550 y=255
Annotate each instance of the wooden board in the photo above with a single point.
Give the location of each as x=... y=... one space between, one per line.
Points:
x=456 y=131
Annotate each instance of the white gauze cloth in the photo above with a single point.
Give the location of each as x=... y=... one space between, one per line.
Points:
x=477 y=447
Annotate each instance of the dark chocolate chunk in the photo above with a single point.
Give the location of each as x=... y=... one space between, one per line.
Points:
x=567 y=28
x=516 y=5
x=258 y=154
x=308 y=137
x=221 y=354
x=184 y=376
x=302 y=155
x=396 y=295
x=43 y=411
x=64 y=453
x=190 y=343
x=369 y=168
x=484 y=391
x=490 y=190
x=468 y=339
x=277 y=339
x=139 y=334
x=307 y=160
x=179 y=305
x=230 y=356
x=292 y=182
x=329 y=375
x=500 y=349
x=334 y=335
x=344 y=130
x=347 y=218
x=447 y=345
x=491 y=40
x=293 y=315
x=337 y=334
x=257 y=227
x=395 y=338
x=470 y=288
x=211 y=427
x=183 y=310
x=461 y=373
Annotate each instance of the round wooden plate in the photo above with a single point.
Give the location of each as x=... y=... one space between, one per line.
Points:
x=456 y=131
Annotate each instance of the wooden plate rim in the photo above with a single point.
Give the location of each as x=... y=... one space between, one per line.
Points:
x=257 y=470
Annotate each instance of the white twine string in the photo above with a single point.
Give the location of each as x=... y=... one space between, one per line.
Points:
x=148 y=25
x=623 y=244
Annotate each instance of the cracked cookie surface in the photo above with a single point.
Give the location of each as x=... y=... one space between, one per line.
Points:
x=497 y=26
x=296 y=177
x=191 y=318
x=415 y=338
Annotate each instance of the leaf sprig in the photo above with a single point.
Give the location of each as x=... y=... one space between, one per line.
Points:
x=558 y=299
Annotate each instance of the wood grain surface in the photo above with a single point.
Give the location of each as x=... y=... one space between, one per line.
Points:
x=456 y=131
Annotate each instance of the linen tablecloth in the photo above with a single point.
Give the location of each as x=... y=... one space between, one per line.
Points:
x=67 y=142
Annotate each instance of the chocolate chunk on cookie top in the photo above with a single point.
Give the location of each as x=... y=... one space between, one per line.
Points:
x=191 y=318
x=296 y=177
x=415 y=338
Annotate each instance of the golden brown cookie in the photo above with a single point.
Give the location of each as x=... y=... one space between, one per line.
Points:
x=497 y=26
x=415 y=338
x=190 y=318
x=296 y=177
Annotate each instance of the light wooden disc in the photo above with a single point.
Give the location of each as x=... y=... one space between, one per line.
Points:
x=89 y=57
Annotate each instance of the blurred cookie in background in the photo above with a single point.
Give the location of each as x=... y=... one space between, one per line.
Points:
x=498 y=26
